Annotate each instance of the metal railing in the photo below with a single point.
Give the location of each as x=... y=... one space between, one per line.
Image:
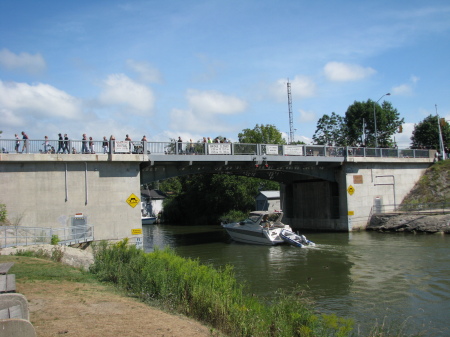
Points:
x=198 y=148
x=24 y=236
x=422 y=208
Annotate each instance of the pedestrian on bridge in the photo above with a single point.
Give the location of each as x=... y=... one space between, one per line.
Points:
x=60 y=143
x=66 y=144
x=84 y=144
x=17 y=143
x=25 y=141
x=91 y=145
x=105 y=145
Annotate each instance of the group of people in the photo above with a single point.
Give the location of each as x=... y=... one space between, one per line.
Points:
x=87 y=144
x=25 y=142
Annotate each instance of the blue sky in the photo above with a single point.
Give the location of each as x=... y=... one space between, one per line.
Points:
x=206 y=68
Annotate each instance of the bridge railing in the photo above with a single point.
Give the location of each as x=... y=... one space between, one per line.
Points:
x=24 y=236
x=198 y=148
x=419 y=208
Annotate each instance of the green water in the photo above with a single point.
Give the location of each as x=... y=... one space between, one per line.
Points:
x=395 y=279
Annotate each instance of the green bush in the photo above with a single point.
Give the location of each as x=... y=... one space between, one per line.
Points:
x=211 y=296
x=54 y=240
x=3 y=213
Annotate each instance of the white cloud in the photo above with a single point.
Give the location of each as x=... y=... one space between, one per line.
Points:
x=407 y=88
x=343 y=72
x=307 y=116
x=24 y=61
x=120 y=89
x=301 y=87
x=204 y=111
x=147 y=72
x=212 y=102
x=402 y=90
x=22 y=103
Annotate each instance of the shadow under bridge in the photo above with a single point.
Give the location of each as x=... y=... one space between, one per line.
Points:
x=283 y=169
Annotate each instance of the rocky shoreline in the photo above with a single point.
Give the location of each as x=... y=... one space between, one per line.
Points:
x=410 y=223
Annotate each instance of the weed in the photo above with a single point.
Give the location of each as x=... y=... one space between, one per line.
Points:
x=54 y=240
x=57 y=254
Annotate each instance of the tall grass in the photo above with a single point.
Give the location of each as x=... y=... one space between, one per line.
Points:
x=211 y=296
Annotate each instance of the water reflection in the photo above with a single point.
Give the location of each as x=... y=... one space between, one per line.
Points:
x=367 y=276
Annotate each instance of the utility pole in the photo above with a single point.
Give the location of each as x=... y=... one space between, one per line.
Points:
x=291 y=119
x=441 y=141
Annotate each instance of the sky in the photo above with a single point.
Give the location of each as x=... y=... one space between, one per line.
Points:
x=203 y=68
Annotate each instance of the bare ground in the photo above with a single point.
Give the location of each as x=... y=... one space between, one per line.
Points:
x=63 y=308
x=83 y=309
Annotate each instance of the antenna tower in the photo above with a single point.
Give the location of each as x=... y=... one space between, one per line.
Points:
x=291 y=119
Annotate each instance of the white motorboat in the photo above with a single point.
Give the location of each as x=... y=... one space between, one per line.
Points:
x=261 y=227
x=295 y=239
x=148 y=220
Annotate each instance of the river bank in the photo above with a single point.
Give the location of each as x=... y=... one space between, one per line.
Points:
x=410 y=223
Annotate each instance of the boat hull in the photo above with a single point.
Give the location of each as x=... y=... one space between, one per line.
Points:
x=259 y=237
x=294 y=239
x=149 y=220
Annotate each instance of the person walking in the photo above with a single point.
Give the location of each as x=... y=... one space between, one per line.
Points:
x=47 y=147
x=66 y=144
x=84 y=144
x=17 y=143
x=25 y=142
x=180 y=146
x=91 y=145
x=105 y=145
x=60 y=143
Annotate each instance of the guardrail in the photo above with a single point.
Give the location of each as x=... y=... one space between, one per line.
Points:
x=23 y=236
x=180 y=148
x=423 y=208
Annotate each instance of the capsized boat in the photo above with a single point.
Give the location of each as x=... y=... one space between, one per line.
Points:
x=297 y=240
x=260 y=227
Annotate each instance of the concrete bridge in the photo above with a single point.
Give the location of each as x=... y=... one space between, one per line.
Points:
x=322 y=188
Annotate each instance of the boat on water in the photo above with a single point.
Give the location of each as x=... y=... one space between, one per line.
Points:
x=148 y=220
x=294 y=239
x=260 y=227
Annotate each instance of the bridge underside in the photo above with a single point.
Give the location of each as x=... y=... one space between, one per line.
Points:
x=309 y=190
x=280 y=171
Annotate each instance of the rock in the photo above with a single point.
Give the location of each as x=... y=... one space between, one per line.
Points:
x=424 y=223
x=74 y=257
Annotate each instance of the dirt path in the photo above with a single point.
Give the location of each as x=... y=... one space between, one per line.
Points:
x=61 y=308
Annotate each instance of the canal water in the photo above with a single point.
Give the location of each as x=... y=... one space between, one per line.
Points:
x=401 y=281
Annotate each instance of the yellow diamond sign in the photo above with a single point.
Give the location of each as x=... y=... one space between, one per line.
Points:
x=351 y=190
x=133 y=200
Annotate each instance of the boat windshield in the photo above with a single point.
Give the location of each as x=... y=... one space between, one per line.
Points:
x=253 y=217
x=275 y=217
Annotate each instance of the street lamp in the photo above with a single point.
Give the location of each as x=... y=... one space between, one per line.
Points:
x=375 y=119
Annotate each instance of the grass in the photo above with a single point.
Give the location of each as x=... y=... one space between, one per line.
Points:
x=29 y=269
x=211 y=296
x=185 y=286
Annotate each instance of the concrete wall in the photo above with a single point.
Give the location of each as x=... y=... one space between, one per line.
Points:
x=346 y=204
x=49 y=193
x=365 y=182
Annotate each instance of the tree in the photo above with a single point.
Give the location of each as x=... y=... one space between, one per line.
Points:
x=360 y=116
x=261 y=134
x=330 y=130
x=204 y=198
x=426 y=134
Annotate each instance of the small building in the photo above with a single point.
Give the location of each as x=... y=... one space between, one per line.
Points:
x=268 y=201
x=152 y=202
